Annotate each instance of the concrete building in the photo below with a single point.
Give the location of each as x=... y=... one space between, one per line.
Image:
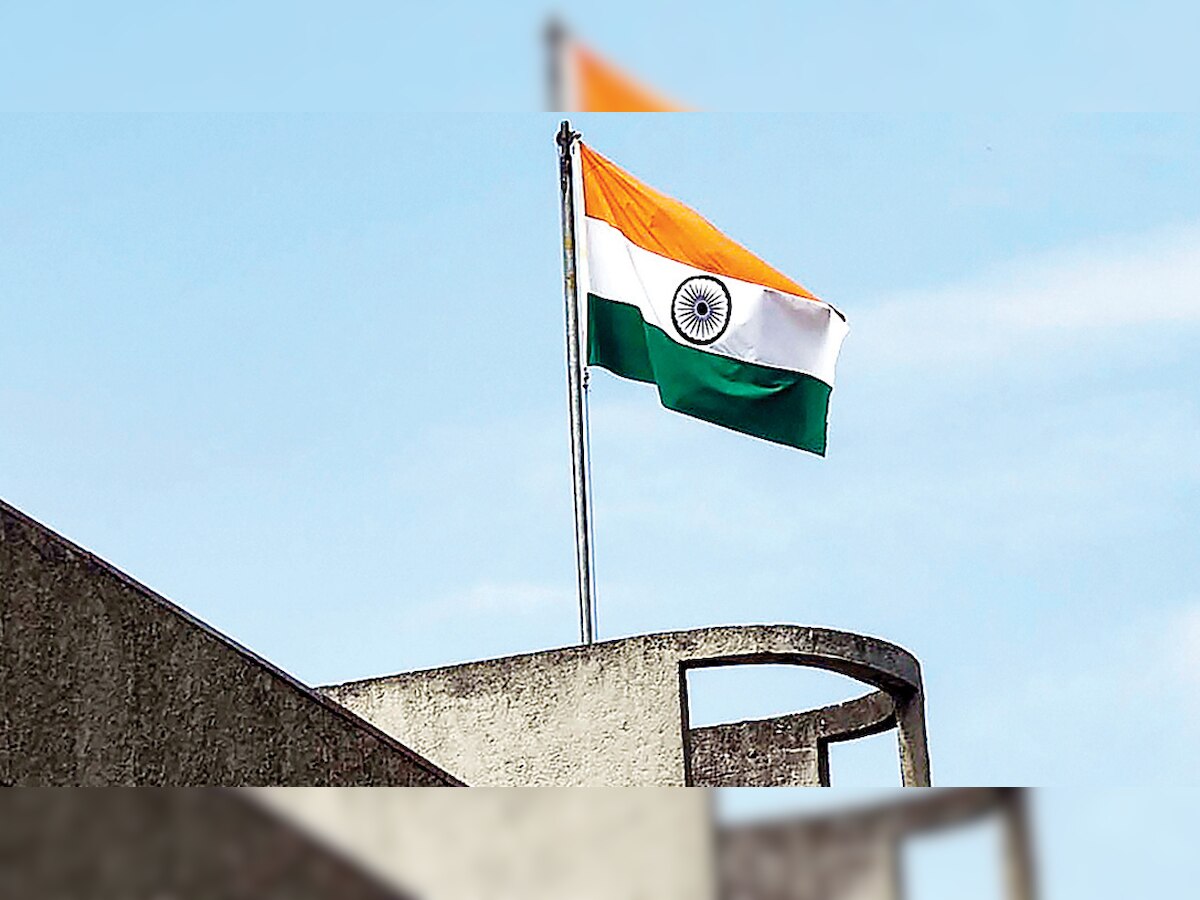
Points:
x=616 y=712
x=103 y=681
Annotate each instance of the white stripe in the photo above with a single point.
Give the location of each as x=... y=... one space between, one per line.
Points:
x=766 y=326
x=581 y=256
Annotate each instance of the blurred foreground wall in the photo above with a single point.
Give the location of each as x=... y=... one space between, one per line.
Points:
x=483 y=844
x=518 y=843
x=855 y=853
x=117 y=844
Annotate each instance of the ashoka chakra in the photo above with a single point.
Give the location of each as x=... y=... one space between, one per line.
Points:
x=700 y=309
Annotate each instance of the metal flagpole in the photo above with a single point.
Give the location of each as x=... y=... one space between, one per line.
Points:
x=556 y=94
x=576 y=390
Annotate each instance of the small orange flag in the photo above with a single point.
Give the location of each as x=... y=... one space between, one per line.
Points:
x=583 y=81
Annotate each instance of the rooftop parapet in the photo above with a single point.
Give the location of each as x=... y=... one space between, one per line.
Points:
x=616 y=712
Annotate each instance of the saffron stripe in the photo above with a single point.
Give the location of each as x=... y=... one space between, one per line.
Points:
x=663 y=225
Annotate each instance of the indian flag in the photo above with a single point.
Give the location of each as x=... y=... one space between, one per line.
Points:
x=673 y=302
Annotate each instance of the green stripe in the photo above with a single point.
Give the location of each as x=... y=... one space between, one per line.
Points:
x=774 y=404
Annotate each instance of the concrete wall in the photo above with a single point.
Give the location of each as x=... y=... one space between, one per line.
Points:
x=786 y=750
x=615 y=713
x=518 y=844
x=103 y=681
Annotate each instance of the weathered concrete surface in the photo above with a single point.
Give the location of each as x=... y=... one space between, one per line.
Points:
x=786 y=750
x=113 y=844
x=855 y=854
x=102 y=681
x=518 y=844
x=613 y=713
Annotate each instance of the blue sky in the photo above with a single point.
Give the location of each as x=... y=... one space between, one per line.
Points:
x=456 y=55
x=303 y=374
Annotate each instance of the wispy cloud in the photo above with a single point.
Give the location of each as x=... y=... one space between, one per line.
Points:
x=1182 y=645
x=1103 y=291
x=515 y=598
x=487 y=600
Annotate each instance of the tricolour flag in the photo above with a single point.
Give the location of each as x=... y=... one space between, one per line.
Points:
x=673 y=302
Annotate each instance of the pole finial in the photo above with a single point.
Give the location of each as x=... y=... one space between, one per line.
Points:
x=566 y=134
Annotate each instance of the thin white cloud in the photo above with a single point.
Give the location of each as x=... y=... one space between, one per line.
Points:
x=494 y=598
x=1104 y=291
x=1182 y=642
x=519 y=598
x=1149 y=281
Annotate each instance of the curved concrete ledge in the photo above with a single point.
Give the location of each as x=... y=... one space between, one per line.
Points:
x=867 y=715
x=784 y=750
x=867 y=659
x=615 y=712
x=800 y=754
